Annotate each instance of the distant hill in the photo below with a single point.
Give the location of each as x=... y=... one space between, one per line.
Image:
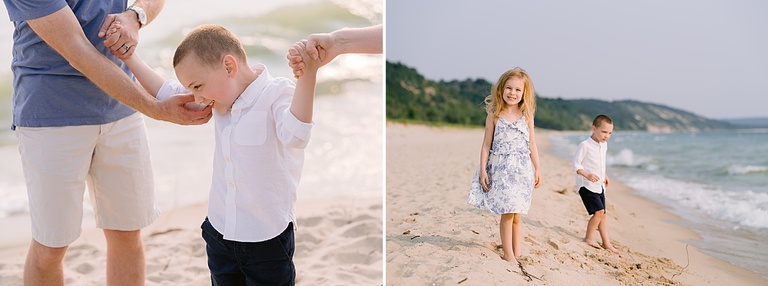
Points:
x=410 y=96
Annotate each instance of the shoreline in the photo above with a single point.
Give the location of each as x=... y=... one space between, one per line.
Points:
x=449 y=242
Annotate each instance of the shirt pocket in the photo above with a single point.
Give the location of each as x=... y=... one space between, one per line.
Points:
x=252 y=128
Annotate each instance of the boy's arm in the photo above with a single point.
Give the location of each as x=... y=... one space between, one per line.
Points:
x=147 y=77
x=578 y=158
x=304 y=96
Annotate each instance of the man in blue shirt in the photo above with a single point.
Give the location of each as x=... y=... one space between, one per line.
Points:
x=74 y=113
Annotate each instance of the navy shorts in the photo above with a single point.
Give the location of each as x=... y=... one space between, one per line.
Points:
x=267 y=262
x=592 y=201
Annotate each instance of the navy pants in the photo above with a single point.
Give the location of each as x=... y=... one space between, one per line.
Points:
x=267 y=262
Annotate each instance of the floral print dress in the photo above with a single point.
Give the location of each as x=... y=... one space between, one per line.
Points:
x=509 y=169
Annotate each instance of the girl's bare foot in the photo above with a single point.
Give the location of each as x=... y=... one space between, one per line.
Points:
x=611 y=248
x=511 y=260
x=593 y=243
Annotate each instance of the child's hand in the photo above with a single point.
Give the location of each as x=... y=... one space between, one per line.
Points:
x=484 y=181
x=113 y=33
x=536 y=179
x=607 y=182
x=295 y=61
x=300 y=61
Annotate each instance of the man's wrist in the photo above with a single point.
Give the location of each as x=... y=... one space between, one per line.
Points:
x=140 y=15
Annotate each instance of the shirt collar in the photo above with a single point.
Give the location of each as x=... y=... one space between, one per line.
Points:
x=599 y=144
x=254 y=90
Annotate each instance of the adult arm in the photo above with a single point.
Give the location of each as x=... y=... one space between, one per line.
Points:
x=326 y=46
x=61 y=30
x=367 y=40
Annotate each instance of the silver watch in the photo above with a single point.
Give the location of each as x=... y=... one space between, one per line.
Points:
x=140 y=14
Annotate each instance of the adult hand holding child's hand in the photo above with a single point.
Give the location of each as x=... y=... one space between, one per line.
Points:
x=174 y=109
x=121 y=33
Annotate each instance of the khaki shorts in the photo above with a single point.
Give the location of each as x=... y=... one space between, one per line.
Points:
x=112 y=158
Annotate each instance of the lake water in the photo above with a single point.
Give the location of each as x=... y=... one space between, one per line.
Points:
x=716 y=181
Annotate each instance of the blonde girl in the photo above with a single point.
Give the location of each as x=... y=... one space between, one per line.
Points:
x=509 y=160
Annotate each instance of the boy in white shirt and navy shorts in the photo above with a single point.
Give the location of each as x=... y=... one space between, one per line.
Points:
x=263 y=124
x=589 y=164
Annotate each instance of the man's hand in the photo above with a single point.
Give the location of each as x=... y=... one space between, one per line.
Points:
x=172 y=110
x=121 y=33
x=320 y=47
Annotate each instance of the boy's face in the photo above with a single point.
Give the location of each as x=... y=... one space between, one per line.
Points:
x=602 y=133
x=211 y=84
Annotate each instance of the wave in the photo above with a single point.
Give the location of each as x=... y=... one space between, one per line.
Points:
x=742 y=170
x=745 y=208
x=627 y=158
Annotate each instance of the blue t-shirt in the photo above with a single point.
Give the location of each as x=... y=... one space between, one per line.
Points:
x=47 y=90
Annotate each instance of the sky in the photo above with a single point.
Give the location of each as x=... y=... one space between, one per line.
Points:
x=705 y=57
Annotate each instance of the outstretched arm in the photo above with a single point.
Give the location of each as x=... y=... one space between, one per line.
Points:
x=61 y=30
x=147 y=77
x=326 y=46
x=366 y=40
x=304 y=96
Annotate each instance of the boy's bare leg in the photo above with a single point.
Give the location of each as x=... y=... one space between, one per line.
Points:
x=603 y=229
x=505 y=229
x=592 y=225
x=44 y=265
x=517 y=235
x=125 y=257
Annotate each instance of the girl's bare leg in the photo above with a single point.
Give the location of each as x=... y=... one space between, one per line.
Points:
x=517 y=235
x=505 y=230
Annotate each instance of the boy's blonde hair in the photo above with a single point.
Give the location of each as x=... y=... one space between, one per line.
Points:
x=494 y=103
x=210 y=43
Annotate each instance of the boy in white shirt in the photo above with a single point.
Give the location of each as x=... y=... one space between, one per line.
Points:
x=262 y=128
x=589 y=164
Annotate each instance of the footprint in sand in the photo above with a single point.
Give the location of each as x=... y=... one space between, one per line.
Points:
x=84 y=268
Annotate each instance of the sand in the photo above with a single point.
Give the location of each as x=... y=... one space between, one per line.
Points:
x=433 y=237
x=337 y=242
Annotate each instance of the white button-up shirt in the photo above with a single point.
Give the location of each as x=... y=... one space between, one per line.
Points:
x=257 y=161
x=590 y=156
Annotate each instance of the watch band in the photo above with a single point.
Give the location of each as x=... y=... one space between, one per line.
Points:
x=140 y=15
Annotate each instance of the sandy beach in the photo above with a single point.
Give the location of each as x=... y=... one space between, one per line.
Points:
x=433 y=237
x=337 y=242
